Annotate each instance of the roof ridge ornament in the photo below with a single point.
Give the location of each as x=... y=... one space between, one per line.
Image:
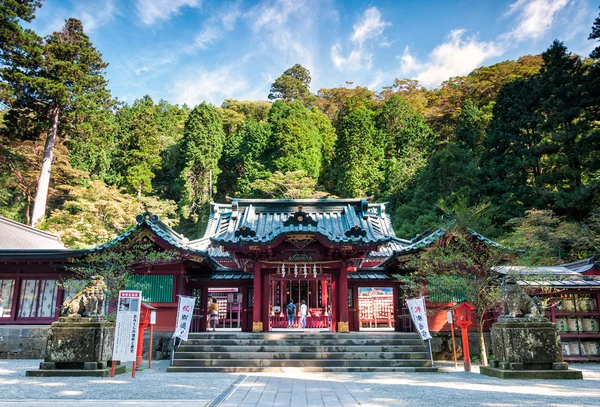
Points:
x=245 y=231
x=147 y=216
x=300 y=218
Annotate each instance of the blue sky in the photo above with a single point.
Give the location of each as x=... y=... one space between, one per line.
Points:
x=187 y=51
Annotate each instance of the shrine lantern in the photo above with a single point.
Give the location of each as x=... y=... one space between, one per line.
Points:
x=462 y=314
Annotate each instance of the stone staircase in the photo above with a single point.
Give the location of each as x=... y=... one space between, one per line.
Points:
x=303 y=351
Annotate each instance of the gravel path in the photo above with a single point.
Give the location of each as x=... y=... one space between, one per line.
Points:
x=155 y=387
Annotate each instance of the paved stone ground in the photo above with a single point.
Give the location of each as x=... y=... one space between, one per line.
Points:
x=157 y=388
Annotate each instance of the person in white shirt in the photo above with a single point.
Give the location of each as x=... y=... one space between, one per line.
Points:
x=303 y=314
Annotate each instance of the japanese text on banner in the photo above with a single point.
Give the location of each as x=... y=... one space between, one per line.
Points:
x=185 y=310
x=416 y=306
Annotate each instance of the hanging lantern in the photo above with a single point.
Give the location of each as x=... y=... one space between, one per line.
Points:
x=295 y=270
x=315 y=270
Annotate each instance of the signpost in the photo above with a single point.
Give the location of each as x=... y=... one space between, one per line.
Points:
x=416 y=306
x=126 y=328
x=451 y=322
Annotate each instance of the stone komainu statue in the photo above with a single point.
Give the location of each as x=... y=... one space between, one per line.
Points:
x=517 y=303
x=88 y=302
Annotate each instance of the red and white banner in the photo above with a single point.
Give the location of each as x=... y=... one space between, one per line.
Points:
x=185 y=310
x=127 y=325
x=416 y=306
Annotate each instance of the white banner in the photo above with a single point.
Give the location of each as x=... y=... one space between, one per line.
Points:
x=127 y=325
x=185 y=310
x=416 y=306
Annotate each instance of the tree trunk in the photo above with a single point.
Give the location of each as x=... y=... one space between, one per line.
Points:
x=41 y=193
x=482 y=346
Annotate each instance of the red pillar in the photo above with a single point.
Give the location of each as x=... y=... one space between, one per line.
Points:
x=343 y=295
x=465 y=348
x=257 y=310
x=397 y=307
x=266 y=298
x=334 y=301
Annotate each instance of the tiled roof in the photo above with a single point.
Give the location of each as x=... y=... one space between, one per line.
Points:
x=581 y=266
x=352 y=221
x=15 y=235
x=162 y=231
x=369 y=275
x=562 y=284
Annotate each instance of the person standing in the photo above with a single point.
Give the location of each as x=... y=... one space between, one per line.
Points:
x=303 y=314
x=213 y=312
x=291 y=313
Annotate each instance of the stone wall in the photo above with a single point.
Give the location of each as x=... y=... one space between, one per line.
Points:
x=441 y=345
x=162 y=343
x=23 y=342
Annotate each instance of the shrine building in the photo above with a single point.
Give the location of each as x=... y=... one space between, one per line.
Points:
x=339 y=256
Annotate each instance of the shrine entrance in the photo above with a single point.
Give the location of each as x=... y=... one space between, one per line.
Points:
x=314 y=291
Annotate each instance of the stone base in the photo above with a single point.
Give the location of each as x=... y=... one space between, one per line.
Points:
x=119 y=369
x=531 y=374
x=521 y=344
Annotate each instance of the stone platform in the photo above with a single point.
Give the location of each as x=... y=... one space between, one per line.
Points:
x=527 y=348
x=78 y=347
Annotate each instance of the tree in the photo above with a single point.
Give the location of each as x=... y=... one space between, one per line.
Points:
x=139 y=145
x=295 y=143
x=548 y=239
x=595 y=35
x=291 y=185
x=470 y=129
x=19 y=48
x=467 y=264
x=359 y=155
x=511 y=161
x=116 y=263
x=293 y=84
x=68 y=74
x=408 y=143
x=201 y=148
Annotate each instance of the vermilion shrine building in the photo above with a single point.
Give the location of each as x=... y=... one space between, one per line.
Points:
x=338 y=255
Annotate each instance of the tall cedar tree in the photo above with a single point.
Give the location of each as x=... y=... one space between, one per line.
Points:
x=69 y=75
x=567 y=142
x=359 y=155
x=201 y=149
x=510 y=162
x=295 y=140
x=140 y=145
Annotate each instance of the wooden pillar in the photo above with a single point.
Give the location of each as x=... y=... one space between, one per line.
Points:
x=334 y=302
x=266 y=298
x=342 y=294
x=324 y=300
x=257 y=323
x=397 y=307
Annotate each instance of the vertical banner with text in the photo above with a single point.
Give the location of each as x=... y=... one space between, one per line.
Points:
x=185 y=310
x=127 y=325
x=416 y=306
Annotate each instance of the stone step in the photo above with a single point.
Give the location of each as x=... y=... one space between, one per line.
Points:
x=300 y=348
x=302 y=355
x=245 y=369
x=314 y=342
x=303 y=362
x=302 y=335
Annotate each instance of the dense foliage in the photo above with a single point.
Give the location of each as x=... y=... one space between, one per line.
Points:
x=520 y=137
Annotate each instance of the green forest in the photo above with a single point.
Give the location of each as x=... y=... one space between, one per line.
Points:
x=517 y=142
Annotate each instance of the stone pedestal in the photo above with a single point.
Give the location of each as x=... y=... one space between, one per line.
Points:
x=527 y=348
x=78 y=347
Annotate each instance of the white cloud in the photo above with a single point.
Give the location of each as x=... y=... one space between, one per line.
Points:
x=353 y=62
x=275 y=14
x=370 y=26
x=456 y=56
x=535 y=18
x=210 y=86
x=151 y=11
x=93 y=15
